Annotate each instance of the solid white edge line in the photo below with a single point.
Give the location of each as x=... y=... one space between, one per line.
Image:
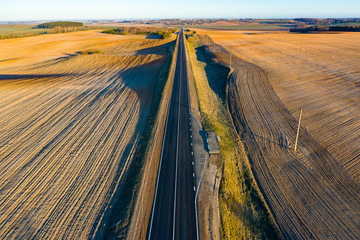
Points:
x=202 y=173
x=177 y=154
x=195 y=117
x=162 y=151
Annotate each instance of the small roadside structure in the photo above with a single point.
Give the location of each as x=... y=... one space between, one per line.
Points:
x=212 y=142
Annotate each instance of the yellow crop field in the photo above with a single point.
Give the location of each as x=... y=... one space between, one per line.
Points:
x=70 y=122
x=312 y=193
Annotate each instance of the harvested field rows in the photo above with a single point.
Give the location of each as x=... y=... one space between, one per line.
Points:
x=309 y=194
x=318 y=72
x=69 y=127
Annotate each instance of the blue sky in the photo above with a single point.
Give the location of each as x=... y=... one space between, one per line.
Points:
x=19 y=10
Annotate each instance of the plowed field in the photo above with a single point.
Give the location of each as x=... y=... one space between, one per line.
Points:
x=69 y=127
x=314 y=192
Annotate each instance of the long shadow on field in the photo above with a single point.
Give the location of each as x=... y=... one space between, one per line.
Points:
x=117 y=219
x=153 y=37
x=161 y=49
x=215 y=72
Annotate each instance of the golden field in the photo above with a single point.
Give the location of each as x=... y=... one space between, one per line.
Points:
x=318 y=72
x=312 y=193
x=70 y=124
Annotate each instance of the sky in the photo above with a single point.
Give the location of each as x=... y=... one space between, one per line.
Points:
x=26 y=10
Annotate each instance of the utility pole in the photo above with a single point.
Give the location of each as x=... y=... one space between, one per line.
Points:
x=214 y=46
x=297 y=134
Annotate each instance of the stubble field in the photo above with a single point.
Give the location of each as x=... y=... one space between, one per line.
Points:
x=69 y=125
x=318 y=72
x=312 y=193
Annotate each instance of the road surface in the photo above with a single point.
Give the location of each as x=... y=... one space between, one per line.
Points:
x=173 y=212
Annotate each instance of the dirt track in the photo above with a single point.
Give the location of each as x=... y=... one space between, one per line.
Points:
x=309 y=194
x=69 y=126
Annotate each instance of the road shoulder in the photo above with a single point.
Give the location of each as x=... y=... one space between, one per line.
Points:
x=207 y=173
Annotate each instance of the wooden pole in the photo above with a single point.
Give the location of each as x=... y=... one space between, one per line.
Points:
x=297 y=134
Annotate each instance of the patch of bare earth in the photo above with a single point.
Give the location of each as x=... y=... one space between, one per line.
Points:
x=69 y=126
x=209 y=201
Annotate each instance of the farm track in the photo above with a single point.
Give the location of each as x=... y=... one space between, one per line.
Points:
x=308 y=193
x=69 y=129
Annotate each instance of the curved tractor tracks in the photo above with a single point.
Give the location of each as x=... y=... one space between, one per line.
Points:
x=308 y=193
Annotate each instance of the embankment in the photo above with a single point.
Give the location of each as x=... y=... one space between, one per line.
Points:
x=242 y=212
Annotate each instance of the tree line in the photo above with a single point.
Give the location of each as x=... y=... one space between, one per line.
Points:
x=63 y=24
x=163 y=32
x=326 y=28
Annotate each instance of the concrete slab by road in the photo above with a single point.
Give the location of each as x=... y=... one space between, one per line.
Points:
x=212 y=141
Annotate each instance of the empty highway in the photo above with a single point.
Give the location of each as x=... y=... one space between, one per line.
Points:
x=173 y=211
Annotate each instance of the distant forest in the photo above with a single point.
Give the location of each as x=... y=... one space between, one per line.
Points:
x=60 y=24
x=326 y=28
x=321 y=21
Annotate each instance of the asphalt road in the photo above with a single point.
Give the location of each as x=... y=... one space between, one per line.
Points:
x=173 y=212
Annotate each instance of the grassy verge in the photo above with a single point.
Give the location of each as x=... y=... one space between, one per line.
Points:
x=121 y=216
x=242 y=212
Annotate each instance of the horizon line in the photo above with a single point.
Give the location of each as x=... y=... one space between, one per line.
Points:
x=180 y=18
